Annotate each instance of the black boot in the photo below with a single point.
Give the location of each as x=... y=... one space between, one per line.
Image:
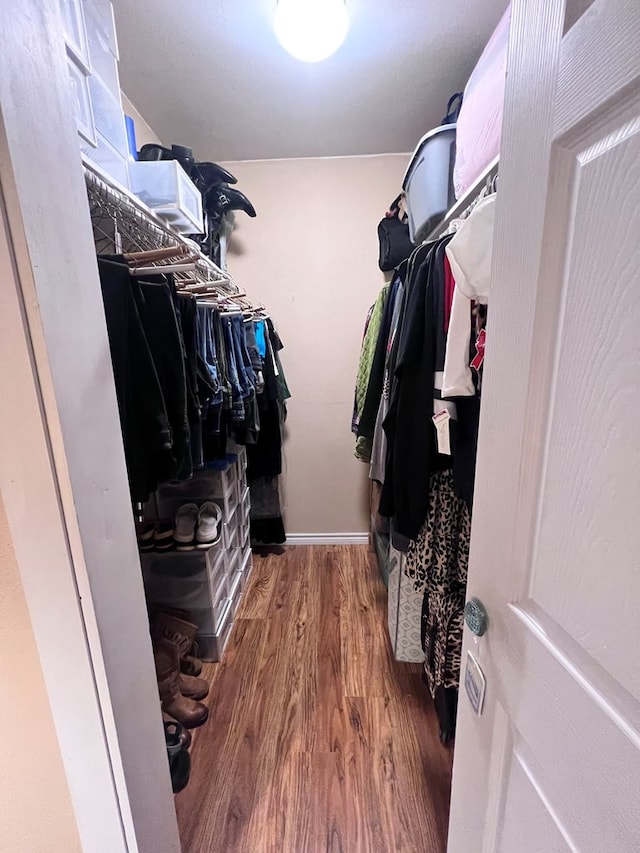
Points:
x=219 y=200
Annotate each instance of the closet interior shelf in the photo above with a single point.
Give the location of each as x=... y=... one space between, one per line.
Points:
x=483 y=186
x=135 y=227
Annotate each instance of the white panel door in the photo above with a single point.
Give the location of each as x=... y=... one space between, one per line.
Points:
x=553 y=763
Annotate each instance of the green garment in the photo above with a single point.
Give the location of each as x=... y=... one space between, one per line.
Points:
x=368 y=350
x=363 y=449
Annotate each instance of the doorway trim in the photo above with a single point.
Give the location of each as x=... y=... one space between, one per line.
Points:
x=65 y=463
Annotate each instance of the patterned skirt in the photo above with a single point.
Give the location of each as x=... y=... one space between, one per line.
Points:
x=437 y=562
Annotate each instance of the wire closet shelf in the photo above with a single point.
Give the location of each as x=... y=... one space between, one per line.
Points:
x=122 y=223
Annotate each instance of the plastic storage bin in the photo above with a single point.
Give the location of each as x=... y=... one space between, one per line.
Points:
x=428 y=182
x=235 y=595
x=79 y=84
x=211 y=645
x=164 y=186
x=103 y=47
x=102 y=129
x=246 y=563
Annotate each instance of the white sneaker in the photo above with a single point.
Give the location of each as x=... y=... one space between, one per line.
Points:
x=209 y=525
x=185 y=532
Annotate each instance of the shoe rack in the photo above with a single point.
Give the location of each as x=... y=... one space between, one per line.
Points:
x=205 y=585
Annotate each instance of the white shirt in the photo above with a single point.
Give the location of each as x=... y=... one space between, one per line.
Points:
x=469 y=254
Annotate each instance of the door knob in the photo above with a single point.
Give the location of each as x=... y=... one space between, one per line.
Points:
x=476 y=617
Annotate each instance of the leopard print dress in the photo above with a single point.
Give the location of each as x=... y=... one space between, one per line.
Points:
x=437 y=562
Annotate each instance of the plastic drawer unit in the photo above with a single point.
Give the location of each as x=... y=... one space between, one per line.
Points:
x=165 y=187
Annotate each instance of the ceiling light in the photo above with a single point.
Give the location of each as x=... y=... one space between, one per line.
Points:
x=311 y=30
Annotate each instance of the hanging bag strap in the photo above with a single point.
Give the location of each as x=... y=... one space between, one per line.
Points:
x=453 y=109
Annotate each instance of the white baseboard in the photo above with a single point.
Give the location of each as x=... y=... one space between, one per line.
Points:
x=327 y=539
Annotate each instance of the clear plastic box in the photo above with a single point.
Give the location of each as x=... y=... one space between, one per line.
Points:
x=165 y=187
x=103 y=50
x=428 y=181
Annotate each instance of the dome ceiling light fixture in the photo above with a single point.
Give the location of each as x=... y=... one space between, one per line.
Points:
x=311 y=30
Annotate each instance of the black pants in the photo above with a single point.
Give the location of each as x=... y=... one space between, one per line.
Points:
x=143 y=416
x=157 y=312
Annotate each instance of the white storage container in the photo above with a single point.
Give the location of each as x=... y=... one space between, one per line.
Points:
x=164 y=186
x=209 y=618
x=211 y=645
x=103 y=47
x=75 y=33
x=428 y=182
x=246 y=562
x=79 y=84
x=93 y=73
x=236 y=585
x=102 y=17
x=230 y=535
x=108 y=115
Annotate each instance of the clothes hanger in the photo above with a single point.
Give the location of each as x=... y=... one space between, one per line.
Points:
x=188 y=264
x=151 y=255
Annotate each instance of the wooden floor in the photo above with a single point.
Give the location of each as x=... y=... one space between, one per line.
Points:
x=317 y=740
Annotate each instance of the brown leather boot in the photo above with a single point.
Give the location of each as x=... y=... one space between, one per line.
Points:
x=194 y=688
x=172 y=626
x=185 y=710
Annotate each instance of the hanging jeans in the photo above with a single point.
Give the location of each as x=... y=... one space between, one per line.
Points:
x=241 y=386
x=246 y=374
x=208 y=352
x=254 y=355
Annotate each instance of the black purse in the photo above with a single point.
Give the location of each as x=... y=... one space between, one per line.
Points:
x=393 y=236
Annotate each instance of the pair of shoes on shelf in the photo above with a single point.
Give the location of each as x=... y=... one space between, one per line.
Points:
x=197 y=527
x=155 y=535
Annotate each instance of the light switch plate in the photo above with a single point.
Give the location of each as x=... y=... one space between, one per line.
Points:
x=475 y=683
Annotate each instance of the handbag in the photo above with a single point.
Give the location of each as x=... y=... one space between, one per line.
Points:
x=393 y=236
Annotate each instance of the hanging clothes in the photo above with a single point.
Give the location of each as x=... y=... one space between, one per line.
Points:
x=437 y=562
x=470 y=256
x=188 y=379
x=146 y=430
x=431 y=431
x=378 y=454
x=370 y=339
x=412 y=450
x=373 y=391
x=155 y=297
x=265 y=456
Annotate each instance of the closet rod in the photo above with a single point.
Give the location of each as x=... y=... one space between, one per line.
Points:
x=131 y=208
x=460 y=209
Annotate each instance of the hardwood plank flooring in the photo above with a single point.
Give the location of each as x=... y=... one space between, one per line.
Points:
x=317 y=739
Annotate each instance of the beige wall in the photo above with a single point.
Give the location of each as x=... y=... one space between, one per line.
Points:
x=144 y=131
x=37 y=816
x=311 y=256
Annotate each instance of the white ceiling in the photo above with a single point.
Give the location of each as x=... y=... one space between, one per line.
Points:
x=211 y=74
